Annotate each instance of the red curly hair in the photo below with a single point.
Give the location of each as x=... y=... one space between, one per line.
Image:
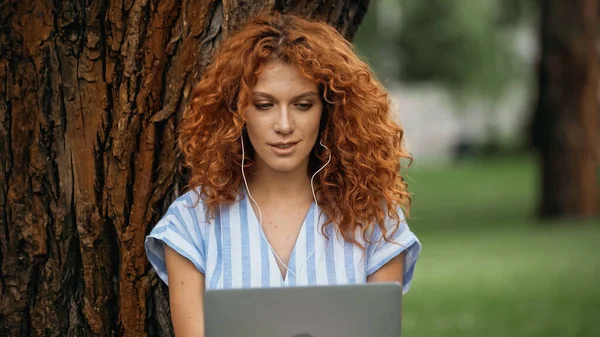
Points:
x=362 y=184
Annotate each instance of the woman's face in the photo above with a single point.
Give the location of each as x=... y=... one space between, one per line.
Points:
x=283 y=118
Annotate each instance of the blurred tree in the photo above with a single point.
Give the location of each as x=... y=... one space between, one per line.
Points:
x=512 y=12
x=92 y=92
x=375 y=39
x=467 y=45
x=565 y=127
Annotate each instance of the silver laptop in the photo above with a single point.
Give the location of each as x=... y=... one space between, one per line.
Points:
x=364 y=310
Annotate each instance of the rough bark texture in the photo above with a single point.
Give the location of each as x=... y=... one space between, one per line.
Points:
x=565 y=126
x=90 y=97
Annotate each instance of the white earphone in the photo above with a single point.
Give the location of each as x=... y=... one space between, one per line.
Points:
x=260 y=212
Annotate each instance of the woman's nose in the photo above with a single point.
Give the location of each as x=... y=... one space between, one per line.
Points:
x=285 y=122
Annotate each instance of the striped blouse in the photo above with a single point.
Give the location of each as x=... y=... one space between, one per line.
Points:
x=232 y=252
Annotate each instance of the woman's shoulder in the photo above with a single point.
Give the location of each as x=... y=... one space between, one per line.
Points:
x=188 y=209
x=190 y=199
x=191 y=208
x=183 y=228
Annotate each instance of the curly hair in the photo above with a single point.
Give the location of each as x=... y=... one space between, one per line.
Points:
x=362 y=184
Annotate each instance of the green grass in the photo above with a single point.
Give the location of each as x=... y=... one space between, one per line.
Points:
x=488 y=267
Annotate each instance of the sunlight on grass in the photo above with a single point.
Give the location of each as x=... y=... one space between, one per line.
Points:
x=488 y=267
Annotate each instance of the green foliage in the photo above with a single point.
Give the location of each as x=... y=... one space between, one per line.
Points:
x=468 y=46
x=465 y=45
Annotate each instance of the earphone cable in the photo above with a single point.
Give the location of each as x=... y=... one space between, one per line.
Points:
x=260 y=211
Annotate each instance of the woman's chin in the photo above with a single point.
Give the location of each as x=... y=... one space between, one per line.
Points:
x=284 y=166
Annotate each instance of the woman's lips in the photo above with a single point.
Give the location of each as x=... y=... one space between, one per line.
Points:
x=283 y=149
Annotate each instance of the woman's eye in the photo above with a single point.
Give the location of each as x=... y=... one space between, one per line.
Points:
x=263 y=106
x=304 y=106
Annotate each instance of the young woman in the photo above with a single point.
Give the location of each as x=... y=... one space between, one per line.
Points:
x=295 y=172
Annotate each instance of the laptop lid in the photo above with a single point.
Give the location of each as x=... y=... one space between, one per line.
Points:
x=372 y=309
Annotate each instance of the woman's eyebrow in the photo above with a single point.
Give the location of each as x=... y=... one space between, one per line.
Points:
x=269 y=96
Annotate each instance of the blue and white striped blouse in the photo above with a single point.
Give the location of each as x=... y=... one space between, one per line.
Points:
x=232 y=252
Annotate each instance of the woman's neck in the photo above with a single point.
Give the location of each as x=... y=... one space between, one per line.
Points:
x=269 y=186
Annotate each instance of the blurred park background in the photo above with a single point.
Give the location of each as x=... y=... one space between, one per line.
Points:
x=463 y=78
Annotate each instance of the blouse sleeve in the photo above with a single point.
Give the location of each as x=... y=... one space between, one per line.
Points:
x=181 y=228
x=401 y=240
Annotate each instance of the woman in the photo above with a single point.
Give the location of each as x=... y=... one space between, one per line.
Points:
x=295 y=177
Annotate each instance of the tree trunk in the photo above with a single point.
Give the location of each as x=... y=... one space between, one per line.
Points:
x=565 y=125
x=91 y=95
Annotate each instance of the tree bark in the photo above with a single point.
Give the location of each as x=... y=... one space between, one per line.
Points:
x=91 y=93
x=565 y=125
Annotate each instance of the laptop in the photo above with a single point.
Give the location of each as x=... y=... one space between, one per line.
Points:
x=361 y=310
